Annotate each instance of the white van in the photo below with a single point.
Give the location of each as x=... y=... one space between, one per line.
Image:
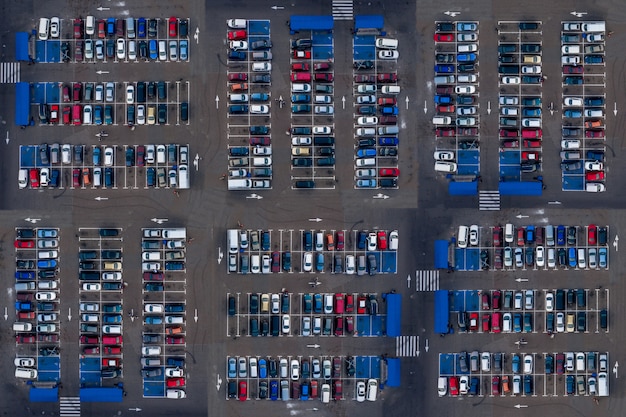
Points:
x=531 y=122
x=151 y=256
x=130 y=28
x=44 y=28
x=261 y=66
x=386 y=43
x=175 y=394
x=444 y=79
x=300 y=88
x=90 y=25
x=25 y=373
x=549 y=235
x=183 y=177
x=237 y=23
x=25 y=286
x=233 y=240
x=442 y=120
x=594 y=27
x=603 y=385
x=325 y=396
x=239 y=184
x=22 y=327
x=444 y=166
x=22 y=178
x=463 y=236
x=319 y=241
x=390 y=89
x=509 y=233
x=372 y=390
x=442 y=386
x=365 y=162
x=178 y=233
x=580 y=362
x=238 y=98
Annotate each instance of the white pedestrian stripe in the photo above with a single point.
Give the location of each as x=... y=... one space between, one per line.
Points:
x=427 y=280
x=489 y=200
x=407 y=346
x=69 y=407
x=343 y=9
x=9 y=72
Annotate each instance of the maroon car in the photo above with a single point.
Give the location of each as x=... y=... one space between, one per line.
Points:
x=237 y=76
x=508 y=133
x=364 y=78
x=324 y=66
x=445 y=131
x=275 y=262
x=260 y=140
x=509 y=143
x=532 y=143
x=387 y=78
x=324 y=76
x=573 y=69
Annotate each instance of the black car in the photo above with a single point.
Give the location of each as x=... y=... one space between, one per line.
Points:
x=571 y=235
x=562 y=257
x=444 y=58
x=466 y=67
x=261 y=78
x=284 y=307
x=530 y=256
x=111 y=254
x=25 y=264
x=302 y=162
x=254 y=304
x=388 y=182
x=445 y=27
x=143 y=49
x=263 y=390
x=300 y=44
x=602 y=236
x=507 y=59
x=262 y=44
x=581 y=322
x=151 y=338
x=162 y=114
x=88 y=265
x=110 y=48
x=152 y=28
x=363 y=65
x=184 y=111
x=183 y=28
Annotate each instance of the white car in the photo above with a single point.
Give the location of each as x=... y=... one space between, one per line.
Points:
x=393 y=240
x=464 y=385
x=528 y=303
x=322 y=130
x=130 y=94
x=301 y=141
x=509 y=100
x=549 y=301
x=89 y=307
x=470 y=47
x=44 y=177
x=259 y=109
x=465 y=89
x=151 y=350
x=444 y=156
x=388 y=54
x=573 y=101
x=30 y=362
x=511 y=80
x=173 y=51
x=132 y=50
x=508 y=257
x=351 y=264
x=367 y=121
x=306 y=326
x=465 y=110
x=560 y=322
x=569 y=361
x=365 y=173
x=295 y=370
x=111 y=276
x=174 y=372
x=531 y=69
x=238 y=45
x=55 y=25
x=275 y=304
x=109 y=94
x=570 y=59
x=160 y=158
x=154 y=308
x=528 y=364
x=467 y=37
x=141 y=114
x=473 y=235
x=108 y=156
x=360 y=391
x=485 y=361
x=46 y=296
x=371 y=242
x=121 y=49
x=366 y=88
x=307 y=263
x=151 y=266
x=506 y=322
x=570 y=49
x=540 y=256
x=594 y=166
x=47 y=285
x=286 y=324
x=88 y=286
x=89 y=49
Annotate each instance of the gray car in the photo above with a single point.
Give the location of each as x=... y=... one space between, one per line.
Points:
x=463 y=361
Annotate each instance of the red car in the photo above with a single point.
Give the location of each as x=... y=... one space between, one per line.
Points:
x=300 y=66
x=531 y=143
x=89 y=340
x=496 y=319
x=76 y=177
x=361 y=306
x=300 y=76
x=497 y=258
x=443 y=37
x=302 y=54
x=468 y=131
x=54 y=113
x=153 y=276
x=592 y=232
x=349 y=303
x=389 y=172
x=573 y=69
x=175 y=382
x=101 y=29
x=78 y=28
x=323 y=66
x=24 y=339
x=67 y=115
x=237 y=76
x=173 y=23
x=173 y=340
x=243 y=391
x=275 y=262
x=364 y=78
x=387 y=101
x=445 y=108
x=506 y=133
x=91 y=350
x=382 y=240
x=473 y=321
x=595 y=176
x=141 y=152
x=111 y=350
x=485 y=301
x=233 y=35
x=110 y=362
x=497 y=236
x=486 y=323
x=511 y=143
x=387 y=78
x=34 y=177
x=454 y=386
x=261 y=141
x=77 y=91
x=340 y=241
x=495 y=300
x=65 y=92
x=495 y=385
x=530 y=156
x=26 y=315
x=594 y=133
x=349 y=324
x=445 y=131
x=520 y=236
x=52 y=338
x=24 y=244
x=324 y=76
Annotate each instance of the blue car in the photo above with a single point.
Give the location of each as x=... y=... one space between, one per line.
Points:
x=466 y=26
x=24 y=275
x=531 y=112
x=153 y=286
x=259 y=97
x=153 y=50
x=237 y=55
x=174 y=308
x=573 y=80
x=388 y=141
x=444 y=68
x=517 y=323
x=108 y=318
x=97 y=115
x=54 y=178
x=443 y=99
x=528 y=324
x=366 y=152
x=304 y=392
x=178 y=362
x=530 y=234
x=319 y=262
x=174 y=266
x=232 y=368
x=259 y=130
x=560 y=235
x=273 y=390
x=141 y=27
x=265 y=241
x=516 y=364
x=151 y=177
x=262 y=368
x=474 y=386
x=47 y=264
x=301 y=98
x=97 y=152
x=110 y=26
x=594 y=101
x=317 y=303
x=389 y=110
x=471 y=57
x=47 y=233
x=594 y=59
x=573 y=113
x=528 y=385
x=367 y=183
x=571 y=257
x=159 y=320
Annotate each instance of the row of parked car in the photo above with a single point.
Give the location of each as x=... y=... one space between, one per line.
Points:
x=376 y=118
x=548 y=235
x=36 y=295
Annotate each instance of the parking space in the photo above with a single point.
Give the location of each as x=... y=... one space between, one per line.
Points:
x=37 y=326
x=100 y=288
x=520 y=100
x=523 y=374
x=127 y=40
x=104 y=167
x=164 y=312
x=532 y=248
x=112 y=103
x=303 y=378
x=584 y=107
x=312 y=110
x=286 y=314
x=375 y=62
x=312 y=251
x=249 y=104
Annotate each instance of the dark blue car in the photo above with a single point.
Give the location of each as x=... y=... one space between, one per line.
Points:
x=141 y=27
x=319 y=262
x=237 y=55
x=273 y=390
x=560 y=235
x=571 y=257
x=388 y=141
x=24 y=275
x=443 y=99
x=444 y=68
x=153 y=50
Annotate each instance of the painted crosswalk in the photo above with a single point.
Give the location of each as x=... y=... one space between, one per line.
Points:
x=69 y=407
x=407 y=346
x=489 y=200
x=9 y=72
x=427 y=280
x=343 y=9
